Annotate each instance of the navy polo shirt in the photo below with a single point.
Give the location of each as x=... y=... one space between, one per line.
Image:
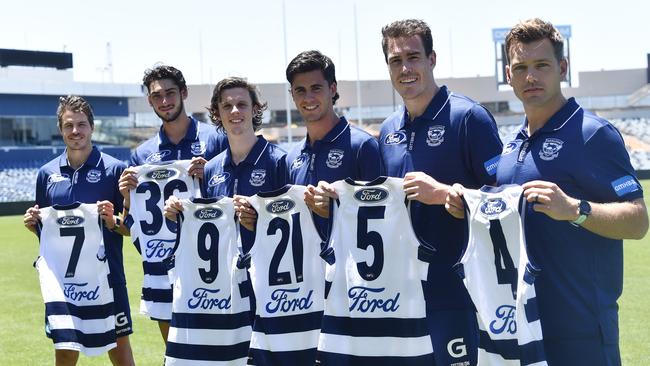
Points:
x=345 y=152
x=582 y=272
x=455 y=140
x=96 y=180
x=201 y=139
x=263 y=170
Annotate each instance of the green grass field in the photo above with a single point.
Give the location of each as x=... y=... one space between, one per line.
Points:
x=22 y=340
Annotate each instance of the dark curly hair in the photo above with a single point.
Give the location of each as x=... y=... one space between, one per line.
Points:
x=161 y=72
x=74 y=103
x=231 y=83
x=407 y=28
x=309 y=61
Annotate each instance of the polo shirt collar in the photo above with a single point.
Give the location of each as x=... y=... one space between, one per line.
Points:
x=558 y=120
x=332 y=135
x=437 y=103
x=93 y=159
x=253 y=156
x=192 y=133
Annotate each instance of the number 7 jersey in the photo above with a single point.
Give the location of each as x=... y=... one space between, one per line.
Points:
x=375 y=309
x=153 y=234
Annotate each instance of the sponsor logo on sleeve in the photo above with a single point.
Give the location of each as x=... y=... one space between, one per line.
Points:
x=492 y=164
x=334 y=158
x=625 y=185
x=215 y=180
x=197 y=148
x=258 y=177
x=157 y=156
x=93 y=176
x=395 y=138
x=550 y=149
x=435 y=135
x=280 y=206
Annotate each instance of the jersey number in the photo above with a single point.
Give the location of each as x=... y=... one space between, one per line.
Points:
x=79 y=237
x=281 y=224
x=505 y=267
x=372 y=239
x=151 y=204
x=210 y=254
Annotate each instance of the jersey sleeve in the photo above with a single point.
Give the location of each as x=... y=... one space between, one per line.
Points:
x=608 y=175
x=41 y=189
x=369 y=163
x=482 y=145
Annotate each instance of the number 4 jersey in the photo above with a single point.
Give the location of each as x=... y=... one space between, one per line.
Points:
x=73 y=274
x=288 y=278
x=500 y=278
x=375 y=309
x=153 y=234
x=210 y=319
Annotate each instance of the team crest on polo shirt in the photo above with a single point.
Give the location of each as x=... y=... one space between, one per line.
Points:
x=56 y=177
x=198 y=148
x=436 y=135
x=157 y=156
x=550 y=149
x=218 y=179
x=257 y=177
x=93 y=176
x=300 y=161
x=334 y=158
x=395 y=138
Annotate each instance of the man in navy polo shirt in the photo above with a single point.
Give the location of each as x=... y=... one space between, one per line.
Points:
x=437 y=138
x=333 y=149
x=84 y=174
x=180 y=136
x=584 y=198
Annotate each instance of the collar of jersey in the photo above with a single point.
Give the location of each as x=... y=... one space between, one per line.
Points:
x=558 y=120
x=191 y=135
x=433 y=109
x=331 y=136
x=253 y=156
x=93 y=159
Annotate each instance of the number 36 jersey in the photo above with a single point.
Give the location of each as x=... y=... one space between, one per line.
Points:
x=73 y=274
x=153 y=234
x=375 y=309
x=500 y=278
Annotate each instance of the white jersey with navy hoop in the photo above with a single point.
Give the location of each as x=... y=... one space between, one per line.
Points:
x=375 y=308
x=288 y=279
x=153 y=234
x=210 y=321
x=500 y=278
x=73 y=274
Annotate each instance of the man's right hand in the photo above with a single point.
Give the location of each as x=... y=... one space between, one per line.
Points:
x=31 y=218
x=173 y=206
x=126 y=183
x=454 y=202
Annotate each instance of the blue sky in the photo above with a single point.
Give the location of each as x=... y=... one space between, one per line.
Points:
x=209 y=40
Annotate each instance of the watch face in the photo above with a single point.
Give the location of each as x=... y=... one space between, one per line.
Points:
x=585 y=208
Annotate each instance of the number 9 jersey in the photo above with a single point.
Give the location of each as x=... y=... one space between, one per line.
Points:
x=153 y=234
x=375 y=309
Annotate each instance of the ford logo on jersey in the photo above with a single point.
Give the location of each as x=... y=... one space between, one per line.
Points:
x=371 y=194
x=280 y=206
x=395 y=138
x=161 y=174
x=215 y=180
x=505 y=320
x=76 y=292
x=207 y=213
x=284 y=301
x=492 y=206
x=366 y=299
x=70 y=220
x=206 y=299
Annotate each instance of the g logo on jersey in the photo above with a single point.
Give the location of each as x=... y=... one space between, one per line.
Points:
x=457 y=348
x=257 y=177
x=218 y=179
x=208 y=213
x=280 y=206
x=56 y=177
x=334 y=158
x=395 y=138
x=371 y=195
x=161 y=174
x=550 y=149
x=436 y=135
x=70 y=220
x=197 y=148
x=492 y=207
x=157 y=156
x=299 y=162
x=93 y=176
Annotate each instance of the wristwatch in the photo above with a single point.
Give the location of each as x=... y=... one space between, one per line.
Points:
x=584 y=208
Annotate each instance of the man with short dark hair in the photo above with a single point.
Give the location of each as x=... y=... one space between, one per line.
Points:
x=333 y=149
x=437 y=138
x=583 y=195
x=84 y=174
